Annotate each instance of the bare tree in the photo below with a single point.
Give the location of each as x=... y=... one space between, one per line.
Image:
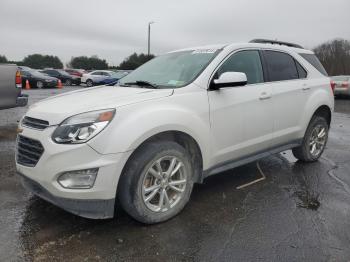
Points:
x=335 y=56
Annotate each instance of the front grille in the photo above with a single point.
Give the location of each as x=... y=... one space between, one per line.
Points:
x=35 y=123
x=29 y=151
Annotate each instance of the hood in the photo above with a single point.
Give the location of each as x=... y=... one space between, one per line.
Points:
x=57 y=108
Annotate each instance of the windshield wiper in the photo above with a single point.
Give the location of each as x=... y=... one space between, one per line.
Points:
x=142 y=83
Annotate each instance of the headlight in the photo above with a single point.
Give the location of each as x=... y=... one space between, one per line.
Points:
x=81 y=128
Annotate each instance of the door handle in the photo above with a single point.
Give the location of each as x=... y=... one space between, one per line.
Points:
x=264 y=96
x=306 y=87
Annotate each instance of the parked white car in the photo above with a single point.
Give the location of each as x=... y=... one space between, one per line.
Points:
x=102 y=77
x=174 y=121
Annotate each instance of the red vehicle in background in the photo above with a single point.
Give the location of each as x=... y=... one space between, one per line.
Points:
x=76 y=72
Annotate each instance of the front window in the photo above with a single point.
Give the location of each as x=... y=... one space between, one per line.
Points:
x=247 y=62
x=172 y=70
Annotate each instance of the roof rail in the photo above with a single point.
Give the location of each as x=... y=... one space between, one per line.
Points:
x=274 y=42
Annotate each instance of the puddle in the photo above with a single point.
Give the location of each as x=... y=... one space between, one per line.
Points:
x=306 y=177
x=308 y=200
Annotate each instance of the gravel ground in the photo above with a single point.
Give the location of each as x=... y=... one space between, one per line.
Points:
x=299 y=213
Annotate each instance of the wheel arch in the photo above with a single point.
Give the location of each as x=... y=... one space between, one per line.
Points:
x=183 y=139
x=323 y=111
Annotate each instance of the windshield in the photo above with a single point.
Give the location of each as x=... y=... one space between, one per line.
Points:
x=172 y=70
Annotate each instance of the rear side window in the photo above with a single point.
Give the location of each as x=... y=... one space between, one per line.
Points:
x=301 y=71
x=313 y=60
x=280 y=66
x=247 y=62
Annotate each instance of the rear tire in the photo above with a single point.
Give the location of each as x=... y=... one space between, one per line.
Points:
x=314 y=141
x=157 y=182
x=39 y=84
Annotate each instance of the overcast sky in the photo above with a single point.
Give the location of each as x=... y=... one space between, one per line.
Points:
x=113 y=29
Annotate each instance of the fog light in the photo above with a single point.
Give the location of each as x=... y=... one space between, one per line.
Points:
x=79 y=179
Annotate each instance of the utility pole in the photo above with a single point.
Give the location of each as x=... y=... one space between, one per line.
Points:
x=149 y=37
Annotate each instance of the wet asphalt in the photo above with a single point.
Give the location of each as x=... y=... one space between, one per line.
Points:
x=300 y=212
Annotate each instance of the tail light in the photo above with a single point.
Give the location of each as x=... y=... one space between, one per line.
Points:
x=18 y=79
x=345 y=84
x=332 y=86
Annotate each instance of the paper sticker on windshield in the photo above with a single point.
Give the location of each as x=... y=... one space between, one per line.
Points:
x=204 y=51
x=175 y=83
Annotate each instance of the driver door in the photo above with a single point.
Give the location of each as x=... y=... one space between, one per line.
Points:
x=241 y=117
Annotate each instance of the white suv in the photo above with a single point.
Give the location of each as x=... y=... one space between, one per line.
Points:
x=174 y=121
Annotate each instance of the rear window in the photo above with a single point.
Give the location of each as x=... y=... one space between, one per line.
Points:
x=313 y=60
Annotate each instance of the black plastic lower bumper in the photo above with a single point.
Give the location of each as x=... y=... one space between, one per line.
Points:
x=89 y=208
x=22 y=100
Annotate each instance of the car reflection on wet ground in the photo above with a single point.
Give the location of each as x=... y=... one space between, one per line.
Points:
x=300 y=212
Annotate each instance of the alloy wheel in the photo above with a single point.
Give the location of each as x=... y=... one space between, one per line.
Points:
x=164 y=184
x=39 y=84
x=318 y=140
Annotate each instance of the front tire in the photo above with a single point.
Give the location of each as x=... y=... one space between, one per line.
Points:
x=157 y=182
x=68 y=82
x=89 y=83
x=314 y=141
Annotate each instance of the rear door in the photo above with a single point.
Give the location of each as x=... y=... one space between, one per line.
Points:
x=241 y=117
x=290 y=91
x=96 y=76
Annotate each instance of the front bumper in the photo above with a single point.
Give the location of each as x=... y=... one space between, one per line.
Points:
x=96 y=202
x=89 y=208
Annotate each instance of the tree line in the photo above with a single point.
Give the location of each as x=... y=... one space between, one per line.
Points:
x=39 y=61
x=334 y=55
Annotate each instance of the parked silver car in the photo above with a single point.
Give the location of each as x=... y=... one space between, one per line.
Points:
x=341 y=85
x=10 y=87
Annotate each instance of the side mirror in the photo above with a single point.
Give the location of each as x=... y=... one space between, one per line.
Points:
x=229 y=79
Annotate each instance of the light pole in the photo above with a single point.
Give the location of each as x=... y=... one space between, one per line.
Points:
x=149 y=37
